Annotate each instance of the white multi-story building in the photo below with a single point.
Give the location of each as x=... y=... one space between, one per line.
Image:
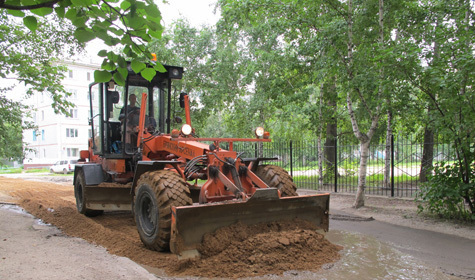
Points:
x=59 y=136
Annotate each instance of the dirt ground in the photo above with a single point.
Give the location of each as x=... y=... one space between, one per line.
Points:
x=240 y=255
x=244 y=252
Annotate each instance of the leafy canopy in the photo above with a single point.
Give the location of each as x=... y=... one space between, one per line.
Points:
x=128 y=25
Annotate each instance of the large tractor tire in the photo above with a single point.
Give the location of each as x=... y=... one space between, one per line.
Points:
x=277 y=177
x=155 y=193
x=81 y=199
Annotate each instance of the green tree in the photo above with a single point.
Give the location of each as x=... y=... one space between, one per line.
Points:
x=127 y=25
x=437 y=42
x=28 y=58
x=332 y=40
x=11 y=127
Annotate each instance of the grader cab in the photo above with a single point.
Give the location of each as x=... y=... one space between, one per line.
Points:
x=178 y=186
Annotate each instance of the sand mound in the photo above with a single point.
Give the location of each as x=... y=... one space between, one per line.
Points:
x=267 y=248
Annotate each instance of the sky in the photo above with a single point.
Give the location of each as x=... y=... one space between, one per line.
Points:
x=197 y=12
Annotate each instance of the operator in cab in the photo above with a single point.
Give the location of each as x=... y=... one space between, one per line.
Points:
x=133 y=116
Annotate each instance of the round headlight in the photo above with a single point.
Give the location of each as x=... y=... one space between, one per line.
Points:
x=259 y=131
x=175 y=72
x=186 y=129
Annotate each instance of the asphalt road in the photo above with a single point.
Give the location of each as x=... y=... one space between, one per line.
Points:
x=452 y=254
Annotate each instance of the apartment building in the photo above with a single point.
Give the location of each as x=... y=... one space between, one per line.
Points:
x=58 y=136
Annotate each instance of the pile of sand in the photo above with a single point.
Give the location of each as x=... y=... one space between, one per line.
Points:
x=267 y=248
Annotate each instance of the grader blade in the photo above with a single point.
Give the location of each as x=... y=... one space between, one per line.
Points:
x=191 y=223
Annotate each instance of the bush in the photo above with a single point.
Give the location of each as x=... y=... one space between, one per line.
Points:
x=446 y=194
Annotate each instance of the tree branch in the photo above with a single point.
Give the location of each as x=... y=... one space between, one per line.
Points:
x=48 y=4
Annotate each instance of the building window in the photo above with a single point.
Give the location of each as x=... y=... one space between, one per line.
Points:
x=88 y=76
x=73 y=114
x=34 y=135
x=42 y=115
x=72 y=152
x=71 y=132
x=71 y=74
x=43 y=134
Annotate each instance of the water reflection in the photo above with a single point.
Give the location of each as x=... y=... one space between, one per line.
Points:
x=364 y=257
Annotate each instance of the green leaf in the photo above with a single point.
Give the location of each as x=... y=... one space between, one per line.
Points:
x=31 y=23
x=102 y=53
x=152 y=10
x=60 y=11
x=118 y=32
x=137 y=66
x=112 y=56
x=79 y=3
x=160 y=68
x=155 y=34
x=101 y=76
x=83 y=35
x=123 y=71
x=125 y=5
x=71 y=14
x=127 y=51
x=42 y=11
x=16 y=13
x=119 y=79
x=148 y=74
x=121 y=62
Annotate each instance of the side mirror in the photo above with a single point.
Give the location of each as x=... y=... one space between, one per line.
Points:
x=114 y=97
x=182 y=99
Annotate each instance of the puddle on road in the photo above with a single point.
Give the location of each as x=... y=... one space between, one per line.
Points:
x=363 y=257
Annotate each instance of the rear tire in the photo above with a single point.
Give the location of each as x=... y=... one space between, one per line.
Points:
x=155 y=193
x=81 y=199
x=277 y=177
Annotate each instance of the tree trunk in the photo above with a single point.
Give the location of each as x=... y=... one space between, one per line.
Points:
x=364 y=139
x=427 y=154
x=360 y=198
x=319 y=144
x=320 y=160
x=329 y=95
x=330 y=146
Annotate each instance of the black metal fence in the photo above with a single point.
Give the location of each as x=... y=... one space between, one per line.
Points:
x=397 y=177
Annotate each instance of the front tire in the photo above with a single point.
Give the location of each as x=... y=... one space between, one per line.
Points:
x=155 y=193
x=81 y=199
x=277 y=177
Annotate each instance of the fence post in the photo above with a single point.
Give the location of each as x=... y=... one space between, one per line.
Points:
x=291 y=160
x=336 y=164
x=392 y=165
